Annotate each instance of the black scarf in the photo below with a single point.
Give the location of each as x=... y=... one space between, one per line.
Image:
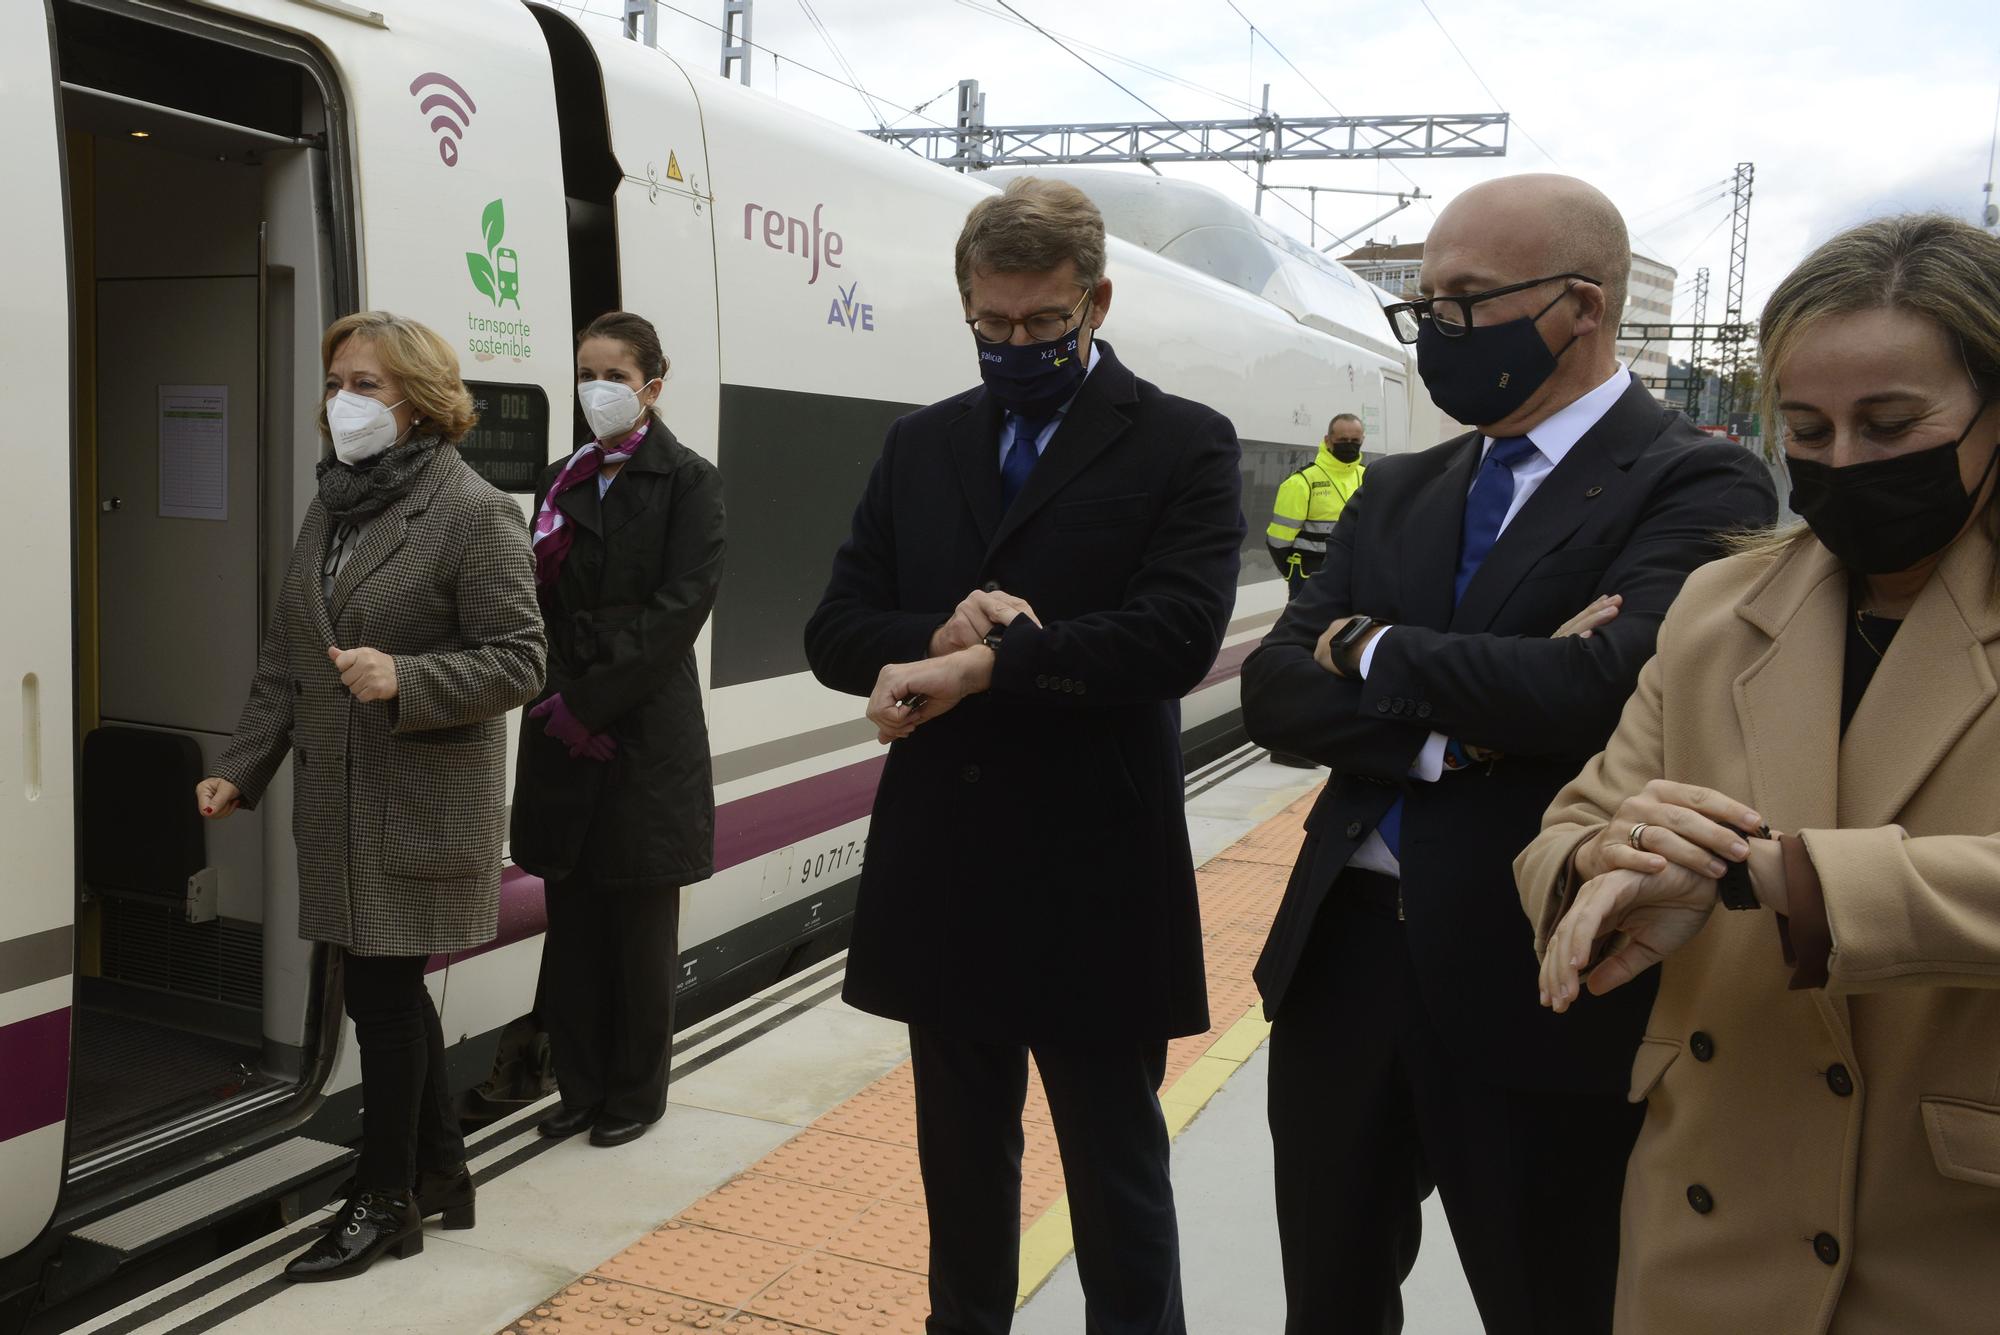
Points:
x=355 y=494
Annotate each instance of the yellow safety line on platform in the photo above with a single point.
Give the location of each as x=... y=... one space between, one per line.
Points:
x=1049 y=1239
x=827 y=1232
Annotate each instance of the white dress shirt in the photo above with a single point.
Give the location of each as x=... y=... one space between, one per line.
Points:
x=1553 y=440
x=1008 y=422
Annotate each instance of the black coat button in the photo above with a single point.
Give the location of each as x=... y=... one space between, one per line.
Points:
x=1424 y=709
x=1042 y=681
x=1079 y=688
x=1381 y=706
x=1699 y=1198
x=1827 y=1248
x=1354 y=828
x=970 y=774
x=1838 y=1080
x=1069 y=686
x=1702 y=1046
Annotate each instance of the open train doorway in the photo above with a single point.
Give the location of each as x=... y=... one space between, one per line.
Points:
x=207 y=254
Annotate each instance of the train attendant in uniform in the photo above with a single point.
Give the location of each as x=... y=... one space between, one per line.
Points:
x=1309 y=502
x=1795 y=820
x=1483 y=613
x=614 y=807
x=1040 y=568
x=405 y=631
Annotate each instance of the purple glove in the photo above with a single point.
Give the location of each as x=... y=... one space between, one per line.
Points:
x=564 y=726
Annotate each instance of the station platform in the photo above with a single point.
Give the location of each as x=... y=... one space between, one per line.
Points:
x=781 y=1194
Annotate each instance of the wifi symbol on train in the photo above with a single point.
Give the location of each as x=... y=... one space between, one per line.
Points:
x=450 y=108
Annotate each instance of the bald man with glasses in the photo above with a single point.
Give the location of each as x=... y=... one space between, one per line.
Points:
x=1454 y=679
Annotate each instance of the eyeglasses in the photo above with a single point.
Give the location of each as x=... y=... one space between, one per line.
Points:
x=1453 y=315
x=1042 y=327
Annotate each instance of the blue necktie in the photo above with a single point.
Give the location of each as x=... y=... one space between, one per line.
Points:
x=1485 y=510
x=1021 y=456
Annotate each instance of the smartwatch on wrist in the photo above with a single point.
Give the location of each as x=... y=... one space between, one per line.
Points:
x=1345 y=648
x=1734 y=888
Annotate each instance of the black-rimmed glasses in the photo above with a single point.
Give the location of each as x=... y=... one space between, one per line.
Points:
x=1042 y=327
x=1453 y=315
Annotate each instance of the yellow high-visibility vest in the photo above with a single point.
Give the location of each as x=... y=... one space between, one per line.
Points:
x=1310 y=501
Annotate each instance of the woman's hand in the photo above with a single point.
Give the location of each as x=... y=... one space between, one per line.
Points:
x=1683 y=828
x=1601 y=612
x=1657 y=913
x=216 y=798
x=368 y=674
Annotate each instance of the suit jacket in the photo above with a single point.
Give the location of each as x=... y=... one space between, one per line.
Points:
x=399 y=805
x=1632 y=508
x=1028 y=862
x=1865 y=1113
x=623 y=616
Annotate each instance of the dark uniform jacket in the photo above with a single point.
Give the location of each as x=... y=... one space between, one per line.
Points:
x=399 y=805
x=1028 y=872
x=623 y=614
x=1634 y=506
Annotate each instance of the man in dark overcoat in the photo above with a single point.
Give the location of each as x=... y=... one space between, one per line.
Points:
x=1040 y=569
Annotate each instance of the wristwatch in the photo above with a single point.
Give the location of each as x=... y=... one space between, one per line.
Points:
x=993 y=637
x=1345 y=648
x=1733 y=888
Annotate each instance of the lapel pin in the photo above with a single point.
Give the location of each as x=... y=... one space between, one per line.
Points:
x=1593 y=492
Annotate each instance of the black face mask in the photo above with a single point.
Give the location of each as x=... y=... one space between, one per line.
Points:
x=1888 y=514
x=1486 y=373
x=1345 y=451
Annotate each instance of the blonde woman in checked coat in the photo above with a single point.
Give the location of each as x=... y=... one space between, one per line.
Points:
x=406 y=630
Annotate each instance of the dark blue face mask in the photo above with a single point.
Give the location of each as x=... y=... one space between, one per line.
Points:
x=1033 y=379
x=1486 y=373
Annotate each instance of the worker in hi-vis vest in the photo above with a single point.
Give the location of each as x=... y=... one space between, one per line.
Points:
x=1310 y=501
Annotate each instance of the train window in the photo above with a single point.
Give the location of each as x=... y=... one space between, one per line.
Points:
x=510 y=446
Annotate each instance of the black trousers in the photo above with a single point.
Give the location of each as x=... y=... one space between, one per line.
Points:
x=407 y=1124
x=610 y=961
x=1370 y=1109
x=1104 y=1100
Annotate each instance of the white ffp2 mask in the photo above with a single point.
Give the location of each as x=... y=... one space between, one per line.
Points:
x=361 y=427
x=611 y=409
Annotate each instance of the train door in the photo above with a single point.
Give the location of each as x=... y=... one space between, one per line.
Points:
x=37 y=788
x=202 y=223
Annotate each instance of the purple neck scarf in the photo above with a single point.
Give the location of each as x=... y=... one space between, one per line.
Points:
x=552 y=536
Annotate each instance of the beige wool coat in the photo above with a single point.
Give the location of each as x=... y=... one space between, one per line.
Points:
x=399 y=805
x=1845 y=1140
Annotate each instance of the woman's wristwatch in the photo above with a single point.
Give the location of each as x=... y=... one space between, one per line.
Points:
x=1734 y=888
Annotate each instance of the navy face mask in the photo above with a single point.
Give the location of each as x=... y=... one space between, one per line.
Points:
x=1486 y=373
x=1033 y=379
x=1888 y=514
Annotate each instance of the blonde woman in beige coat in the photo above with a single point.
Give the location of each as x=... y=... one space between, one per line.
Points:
x=405 y=631
x=1821 y=1148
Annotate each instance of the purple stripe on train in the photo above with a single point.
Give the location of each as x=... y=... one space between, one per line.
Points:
x=34 y=1070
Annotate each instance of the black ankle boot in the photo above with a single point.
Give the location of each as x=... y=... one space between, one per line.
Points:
x=366 y=1226
x=447 y=1193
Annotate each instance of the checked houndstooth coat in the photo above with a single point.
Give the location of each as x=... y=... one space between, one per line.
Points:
x=399 y=805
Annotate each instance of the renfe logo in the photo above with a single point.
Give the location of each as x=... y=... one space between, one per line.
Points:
x=795 y=236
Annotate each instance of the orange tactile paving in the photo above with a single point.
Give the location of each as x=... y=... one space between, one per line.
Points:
x=826 y=1235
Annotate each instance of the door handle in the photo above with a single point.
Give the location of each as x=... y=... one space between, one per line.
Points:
x=115 y=503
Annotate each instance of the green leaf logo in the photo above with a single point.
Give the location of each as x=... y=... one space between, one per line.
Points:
x=482 y=275
x=494 y=224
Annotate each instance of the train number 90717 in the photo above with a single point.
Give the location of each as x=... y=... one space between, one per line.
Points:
x=831 y=863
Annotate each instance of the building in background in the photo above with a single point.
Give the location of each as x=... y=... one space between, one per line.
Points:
x=1649 y=299
x=1391 y=267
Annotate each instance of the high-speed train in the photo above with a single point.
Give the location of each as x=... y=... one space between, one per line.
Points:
x=194 y=190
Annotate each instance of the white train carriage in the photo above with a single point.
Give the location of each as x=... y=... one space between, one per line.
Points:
x=195 y=188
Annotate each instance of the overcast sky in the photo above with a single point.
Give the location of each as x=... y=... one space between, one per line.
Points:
x=1849 y=109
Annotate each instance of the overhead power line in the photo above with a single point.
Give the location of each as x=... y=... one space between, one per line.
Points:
x=1106 y=53
x=1482 y=81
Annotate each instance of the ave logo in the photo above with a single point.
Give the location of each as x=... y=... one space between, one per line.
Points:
x=850 y=312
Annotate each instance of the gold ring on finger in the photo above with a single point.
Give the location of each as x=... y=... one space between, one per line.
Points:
x=1637 y=835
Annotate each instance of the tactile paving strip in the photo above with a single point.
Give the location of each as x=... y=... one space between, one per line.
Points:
x=827 y=1235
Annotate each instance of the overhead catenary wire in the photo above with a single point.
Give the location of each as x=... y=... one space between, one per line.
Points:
x=1114 y=57
x=1134 y=96
x=1512 y=119
x=833 y=49
x=1257 y=34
